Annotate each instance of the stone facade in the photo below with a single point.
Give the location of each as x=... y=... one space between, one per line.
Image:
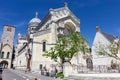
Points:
x=43 y=34
x=7 y=44
x=20 y=60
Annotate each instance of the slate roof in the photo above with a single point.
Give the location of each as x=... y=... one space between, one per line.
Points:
x=109 y=36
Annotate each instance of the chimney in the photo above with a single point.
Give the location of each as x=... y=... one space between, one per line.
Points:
x=97 y=29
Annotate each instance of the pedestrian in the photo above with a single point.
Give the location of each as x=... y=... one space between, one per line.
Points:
x=56 y=71
x=47 y=73
x=52 y=73
x=42 y=72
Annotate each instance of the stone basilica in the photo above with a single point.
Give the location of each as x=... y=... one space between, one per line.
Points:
x=41 y=36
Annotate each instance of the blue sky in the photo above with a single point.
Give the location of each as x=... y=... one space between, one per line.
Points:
x=105 y=13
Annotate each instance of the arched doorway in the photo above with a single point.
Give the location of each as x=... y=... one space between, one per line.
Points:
x=4 y=64
x=89 y=63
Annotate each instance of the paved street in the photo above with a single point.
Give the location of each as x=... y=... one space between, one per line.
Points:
x=21 y=75
x=33 y=75
x=9 y=75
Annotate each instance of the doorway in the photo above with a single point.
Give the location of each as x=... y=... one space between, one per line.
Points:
x=4 y=64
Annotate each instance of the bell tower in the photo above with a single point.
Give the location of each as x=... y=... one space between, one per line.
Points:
x=8 y=35
x=7 y=43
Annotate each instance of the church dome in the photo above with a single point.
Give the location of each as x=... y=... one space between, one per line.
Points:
x=35 y=21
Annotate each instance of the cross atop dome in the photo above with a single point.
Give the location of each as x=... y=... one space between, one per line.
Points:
x=35 y=20
x=36 y=16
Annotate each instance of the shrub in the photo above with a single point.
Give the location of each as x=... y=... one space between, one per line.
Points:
x=60 y=75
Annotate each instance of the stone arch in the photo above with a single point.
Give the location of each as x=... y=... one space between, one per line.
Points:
x=68 y=28
x=4 y=64
x=70 y=24
x=7 y=45
x=89 y=63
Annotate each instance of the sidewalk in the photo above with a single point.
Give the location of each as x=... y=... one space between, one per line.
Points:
x=32 y=75
x=94 y=76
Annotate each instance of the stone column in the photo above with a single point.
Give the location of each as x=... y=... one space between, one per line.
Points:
x=53 y=32
x=67 y=69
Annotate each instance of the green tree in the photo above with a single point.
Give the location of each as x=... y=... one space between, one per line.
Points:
x=66 y=47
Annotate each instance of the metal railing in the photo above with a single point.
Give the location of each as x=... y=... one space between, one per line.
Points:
x=97 y=69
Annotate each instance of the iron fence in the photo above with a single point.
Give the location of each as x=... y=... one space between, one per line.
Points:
x=97 y=69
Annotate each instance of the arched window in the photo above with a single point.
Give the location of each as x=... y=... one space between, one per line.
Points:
x=8 y=55
x=2 y=55
x=89 y=63
x=44 y=46
x=68 y=28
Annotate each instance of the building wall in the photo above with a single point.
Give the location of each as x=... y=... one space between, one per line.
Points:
x=99 y=59
x=7 y=49
x=7 y=43
x=48 y=30
x=8 y=35
x=37 y=55
x=7 y=60
x=49 y=36
x=21 y=62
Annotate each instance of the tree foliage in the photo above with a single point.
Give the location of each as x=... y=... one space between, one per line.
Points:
x=67 y=47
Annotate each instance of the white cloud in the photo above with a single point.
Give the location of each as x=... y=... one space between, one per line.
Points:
x=4 y=15
x=20 y=24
